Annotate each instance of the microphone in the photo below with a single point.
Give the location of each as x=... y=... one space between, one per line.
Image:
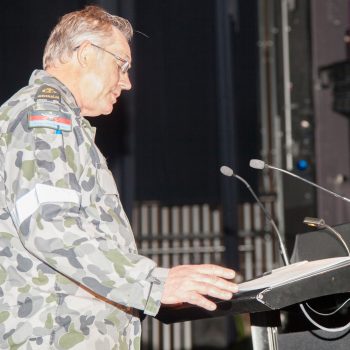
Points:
x=227 y=171
x=320 y=223
x=259 y=164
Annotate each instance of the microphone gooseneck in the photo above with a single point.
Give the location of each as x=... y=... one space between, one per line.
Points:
x=227 y=171
x=321 y=224
x=259 y=164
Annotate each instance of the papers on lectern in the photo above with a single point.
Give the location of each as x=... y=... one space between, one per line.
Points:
x=293 y=272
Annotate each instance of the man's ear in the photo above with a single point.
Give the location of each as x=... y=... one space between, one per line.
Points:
x=84 y=53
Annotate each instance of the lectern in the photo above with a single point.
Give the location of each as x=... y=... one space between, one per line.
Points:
x=282 y=290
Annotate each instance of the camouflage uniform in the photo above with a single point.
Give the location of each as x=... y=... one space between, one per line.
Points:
x=70 y=275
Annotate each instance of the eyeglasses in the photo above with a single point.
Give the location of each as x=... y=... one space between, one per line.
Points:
x=125 y=64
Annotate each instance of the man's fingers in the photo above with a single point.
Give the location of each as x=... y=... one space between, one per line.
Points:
x=215 y=270
x=209 y=289
x=199 y=300
x=217 y=282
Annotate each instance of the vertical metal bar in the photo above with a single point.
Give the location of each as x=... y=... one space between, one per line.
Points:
x=165 y=227
x=269 y=254
x=216 y=219
x=277 y=150
x=247 y=228
x=270 y=120
x=196 y=231
x=258 y=244
x=186 y=231
x=264 y=338
x=186 y=260
x=206 y=230
x=175 y=226
x=155 y=232
x=263 y=71
x=272 y=333
x=264 y=330
x=286 y=85
x=146 y=327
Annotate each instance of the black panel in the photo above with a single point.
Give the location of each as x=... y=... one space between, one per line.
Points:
x=330 y=21
x=299 y=198
x=246 y=71
x=177 y=123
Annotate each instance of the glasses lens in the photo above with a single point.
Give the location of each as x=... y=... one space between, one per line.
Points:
x=125 y=67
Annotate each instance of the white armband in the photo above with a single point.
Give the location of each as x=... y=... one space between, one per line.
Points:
x=40 y=194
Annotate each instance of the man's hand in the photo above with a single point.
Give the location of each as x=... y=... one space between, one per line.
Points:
x=189 y=284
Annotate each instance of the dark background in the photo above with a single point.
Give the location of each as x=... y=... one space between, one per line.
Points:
x=170 y=125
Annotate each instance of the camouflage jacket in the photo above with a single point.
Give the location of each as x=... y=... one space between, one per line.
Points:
x=70 y=274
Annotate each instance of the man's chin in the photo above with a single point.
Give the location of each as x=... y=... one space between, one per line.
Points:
x=103 y=110
x=107 y=111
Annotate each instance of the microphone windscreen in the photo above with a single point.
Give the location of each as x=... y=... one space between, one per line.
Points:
x=257 y=164
x=225 y=170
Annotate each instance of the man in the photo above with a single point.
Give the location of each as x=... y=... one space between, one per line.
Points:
x=70 y=275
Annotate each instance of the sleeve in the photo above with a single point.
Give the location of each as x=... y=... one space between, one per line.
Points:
x=45 y=198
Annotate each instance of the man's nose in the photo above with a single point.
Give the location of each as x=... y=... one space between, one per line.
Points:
x=125 y=82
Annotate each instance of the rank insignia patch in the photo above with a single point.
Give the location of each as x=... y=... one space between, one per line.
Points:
x=48 y=93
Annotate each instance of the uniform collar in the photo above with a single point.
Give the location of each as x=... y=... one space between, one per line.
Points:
x=42 y=77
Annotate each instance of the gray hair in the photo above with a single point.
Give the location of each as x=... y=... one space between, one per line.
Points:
x=92 y=23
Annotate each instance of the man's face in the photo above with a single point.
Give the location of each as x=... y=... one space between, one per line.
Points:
x=103 y=81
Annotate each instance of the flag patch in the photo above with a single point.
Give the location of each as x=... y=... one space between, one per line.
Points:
x=49 y=119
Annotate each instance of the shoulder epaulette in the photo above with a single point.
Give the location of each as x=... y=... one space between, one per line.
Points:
x=48 y=112
x=47 y=93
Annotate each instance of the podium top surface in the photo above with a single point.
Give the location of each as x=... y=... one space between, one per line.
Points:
x=282 y=287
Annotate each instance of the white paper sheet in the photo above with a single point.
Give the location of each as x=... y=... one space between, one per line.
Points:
x=293 y=272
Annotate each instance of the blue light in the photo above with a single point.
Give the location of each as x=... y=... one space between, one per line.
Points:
x=302 y=164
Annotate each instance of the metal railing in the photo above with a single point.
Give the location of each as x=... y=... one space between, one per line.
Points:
x=193 y=235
